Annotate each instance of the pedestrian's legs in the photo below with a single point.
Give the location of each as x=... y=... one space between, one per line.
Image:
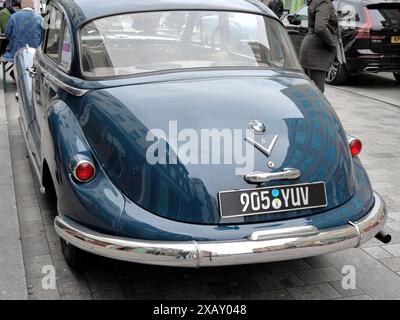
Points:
x=318 y=77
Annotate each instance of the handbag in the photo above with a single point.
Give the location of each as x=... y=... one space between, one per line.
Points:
x=340 y=56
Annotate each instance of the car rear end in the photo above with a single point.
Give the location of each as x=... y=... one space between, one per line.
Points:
x=231 y=83
x=377 y=37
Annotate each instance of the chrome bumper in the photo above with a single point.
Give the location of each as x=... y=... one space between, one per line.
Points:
x=283 y=244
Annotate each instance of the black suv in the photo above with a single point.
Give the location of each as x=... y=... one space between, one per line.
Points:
x=371 y=36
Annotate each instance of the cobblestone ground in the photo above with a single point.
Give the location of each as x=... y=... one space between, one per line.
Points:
x=377 y=265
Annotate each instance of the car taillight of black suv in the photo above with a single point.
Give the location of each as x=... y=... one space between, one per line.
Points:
x=370 y=31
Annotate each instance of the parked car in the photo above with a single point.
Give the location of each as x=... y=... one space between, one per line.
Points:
x=371 y=36
x=109 y=73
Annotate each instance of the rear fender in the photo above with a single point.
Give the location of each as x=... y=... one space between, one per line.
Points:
x=97 y=204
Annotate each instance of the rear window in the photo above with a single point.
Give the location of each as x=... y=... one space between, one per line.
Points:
x=155 y=41
x=385 y=15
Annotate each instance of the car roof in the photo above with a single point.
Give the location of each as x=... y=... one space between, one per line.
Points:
x=81 y=11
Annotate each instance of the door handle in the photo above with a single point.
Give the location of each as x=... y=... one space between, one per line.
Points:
x=31 y=72
x=260 y=177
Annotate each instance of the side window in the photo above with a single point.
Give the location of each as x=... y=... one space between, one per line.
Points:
x=66 y=49
x=54 y=23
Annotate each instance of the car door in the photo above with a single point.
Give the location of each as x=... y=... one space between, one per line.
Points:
x=54 y=57
x=44 y=57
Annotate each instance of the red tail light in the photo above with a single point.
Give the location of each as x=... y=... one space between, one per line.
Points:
x=84 y=171
x=355 y=146
x=364 y=32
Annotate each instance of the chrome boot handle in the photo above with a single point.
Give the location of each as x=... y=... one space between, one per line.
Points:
x=260 y=177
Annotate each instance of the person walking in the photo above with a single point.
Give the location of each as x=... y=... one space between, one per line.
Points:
x=23 y=28
x=12 y=7
x=319 y=47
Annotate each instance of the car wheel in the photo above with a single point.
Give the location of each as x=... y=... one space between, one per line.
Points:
x=337 y=75
x=397 y=76
x=74 y=256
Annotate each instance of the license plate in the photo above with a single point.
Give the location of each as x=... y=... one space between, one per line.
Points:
x=239 y=203
x=396 y=39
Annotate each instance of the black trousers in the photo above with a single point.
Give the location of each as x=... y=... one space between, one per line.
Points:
x=318 y=77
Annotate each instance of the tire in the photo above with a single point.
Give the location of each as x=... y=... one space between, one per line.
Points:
x=397 y=76
x=74 y=256
x=337 y=75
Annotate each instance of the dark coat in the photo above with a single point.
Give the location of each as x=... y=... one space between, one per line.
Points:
x=319 y=47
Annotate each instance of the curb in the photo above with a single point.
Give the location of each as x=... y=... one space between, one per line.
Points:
x=364 y=95
x=13 y=284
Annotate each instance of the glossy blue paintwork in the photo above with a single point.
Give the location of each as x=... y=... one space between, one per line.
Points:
x=97 y=203
x=139 y=223
x=110 y=122
x=116 y=122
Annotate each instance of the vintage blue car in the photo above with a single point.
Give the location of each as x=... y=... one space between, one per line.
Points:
x=184 y=133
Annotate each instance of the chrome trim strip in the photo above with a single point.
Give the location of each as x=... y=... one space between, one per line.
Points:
x=261 y=148
x=72 y=90
x=350 y=138
x=221 y=253
x=358 y=232
x=284 y=233
x=261 y=177
x=198 y=255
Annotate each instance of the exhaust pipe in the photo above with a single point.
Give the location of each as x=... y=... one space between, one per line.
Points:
x=371 y=69
x=384 y=237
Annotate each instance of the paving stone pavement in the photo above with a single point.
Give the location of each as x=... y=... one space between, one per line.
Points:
x=377 y=265
x=12 y=272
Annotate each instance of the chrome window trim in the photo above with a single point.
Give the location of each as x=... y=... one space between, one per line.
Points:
x=61 y=12
x=65 y=24
x=66 y=87
x=65 y=28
